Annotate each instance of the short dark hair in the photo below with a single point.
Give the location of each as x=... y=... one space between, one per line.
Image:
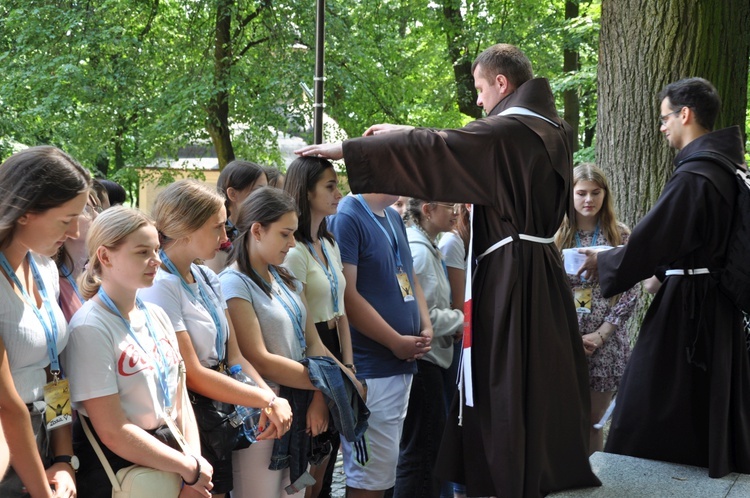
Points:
x=237 y=175
x=507 y=60
x=265 y=206
x=273 y=175
x=301 y=177
x=696 y=93
x=35 y=180
x=115 y=192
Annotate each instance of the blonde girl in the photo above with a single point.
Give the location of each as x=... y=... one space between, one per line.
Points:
x=190 y=219
x=123 y=362
x=601 y=321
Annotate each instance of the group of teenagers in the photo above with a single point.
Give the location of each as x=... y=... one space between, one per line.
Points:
x=348 y=325
x=108 y=310
x=123 y=306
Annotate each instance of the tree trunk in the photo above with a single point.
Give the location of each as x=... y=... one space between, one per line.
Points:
x=217 y=123
x=570 y=64
x=466 y=94
x=675 y=39
x=645 y=45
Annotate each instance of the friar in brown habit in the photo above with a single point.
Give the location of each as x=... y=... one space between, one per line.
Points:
x=527 y=431
x=685 y=393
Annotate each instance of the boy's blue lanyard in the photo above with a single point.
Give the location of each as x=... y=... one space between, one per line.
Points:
x=72 y=281
x=296 y=315
x=162 y=367
x=333 y=279
x=205 y=300
x=50 y=329
x=594 y=239
x=394 y=243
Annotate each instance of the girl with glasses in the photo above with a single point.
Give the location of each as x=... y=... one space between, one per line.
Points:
x=425 y=417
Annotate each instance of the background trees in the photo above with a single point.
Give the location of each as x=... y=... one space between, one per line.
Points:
x=121 y=83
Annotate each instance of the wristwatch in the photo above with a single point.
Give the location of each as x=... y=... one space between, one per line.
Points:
x=71 y=460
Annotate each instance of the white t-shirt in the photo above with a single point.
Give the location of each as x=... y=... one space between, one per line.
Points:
x=186 y=311
x=454 y=253
x=103 y=359
x=307 y=270
x=275 y=324
x=23 y=334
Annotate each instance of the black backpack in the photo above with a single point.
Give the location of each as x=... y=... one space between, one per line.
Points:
x=735 y=277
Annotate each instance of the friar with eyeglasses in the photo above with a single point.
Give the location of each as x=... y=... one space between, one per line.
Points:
x=685 y=394
x=524 y=375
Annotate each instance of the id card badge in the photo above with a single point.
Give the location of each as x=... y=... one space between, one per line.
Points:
x=176 y=432
x=403 y=283
x=57 y=400
x=582 y=297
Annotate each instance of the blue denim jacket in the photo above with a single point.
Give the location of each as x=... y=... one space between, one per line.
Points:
x=348 y=413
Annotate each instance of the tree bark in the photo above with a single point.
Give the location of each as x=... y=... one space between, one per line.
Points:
x=645 y=45
x=570 y=64
x=217 y=123
x=466 y=94
x=674 y=39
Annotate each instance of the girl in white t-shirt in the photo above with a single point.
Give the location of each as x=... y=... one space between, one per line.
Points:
x=123 y=362
x=190 y=219
x=43 y=192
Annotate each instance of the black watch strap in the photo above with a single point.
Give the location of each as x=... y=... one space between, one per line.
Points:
x=69 y=459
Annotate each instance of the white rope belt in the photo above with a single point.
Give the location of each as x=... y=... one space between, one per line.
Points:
x=507 y=240
x=696 y=271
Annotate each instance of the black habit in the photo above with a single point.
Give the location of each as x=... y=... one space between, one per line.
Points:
x=685 y=393
x=527 y=434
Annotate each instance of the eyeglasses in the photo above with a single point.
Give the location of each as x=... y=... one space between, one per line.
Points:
x=452 y=207
x=663 y=118
x=91 y=212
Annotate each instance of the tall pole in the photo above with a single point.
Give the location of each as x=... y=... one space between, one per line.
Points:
x=319 y=69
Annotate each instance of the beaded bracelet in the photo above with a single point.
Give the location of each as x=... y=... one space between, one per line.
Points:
x=197 y=473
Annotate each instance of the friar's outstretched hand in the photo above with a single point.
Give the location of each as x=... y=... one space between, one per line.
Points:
x=589 y=269
x=382 y=128
x=333 y=151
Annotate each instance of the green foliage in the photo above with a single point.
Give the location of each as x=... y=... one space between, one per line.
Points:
x=122 y=83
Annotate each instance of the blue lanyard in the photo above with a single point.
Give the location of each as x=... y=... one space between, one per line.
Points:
x=296 y=315
x=72 y=281
x=50 y=329
x=222 y=328
x=393 y=243
x=162 y=367
x=594 y=239
x=333 y=279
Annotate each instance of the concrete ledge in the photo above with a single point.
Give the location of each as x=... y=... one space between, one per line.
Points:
x=624 y=476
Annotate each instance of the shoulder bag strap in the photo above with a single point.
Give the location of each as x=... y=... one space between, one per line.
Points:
x=100 y=454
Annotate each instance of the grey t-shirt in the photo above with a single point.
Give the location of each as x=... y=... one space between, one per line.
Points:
x=275 y=324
